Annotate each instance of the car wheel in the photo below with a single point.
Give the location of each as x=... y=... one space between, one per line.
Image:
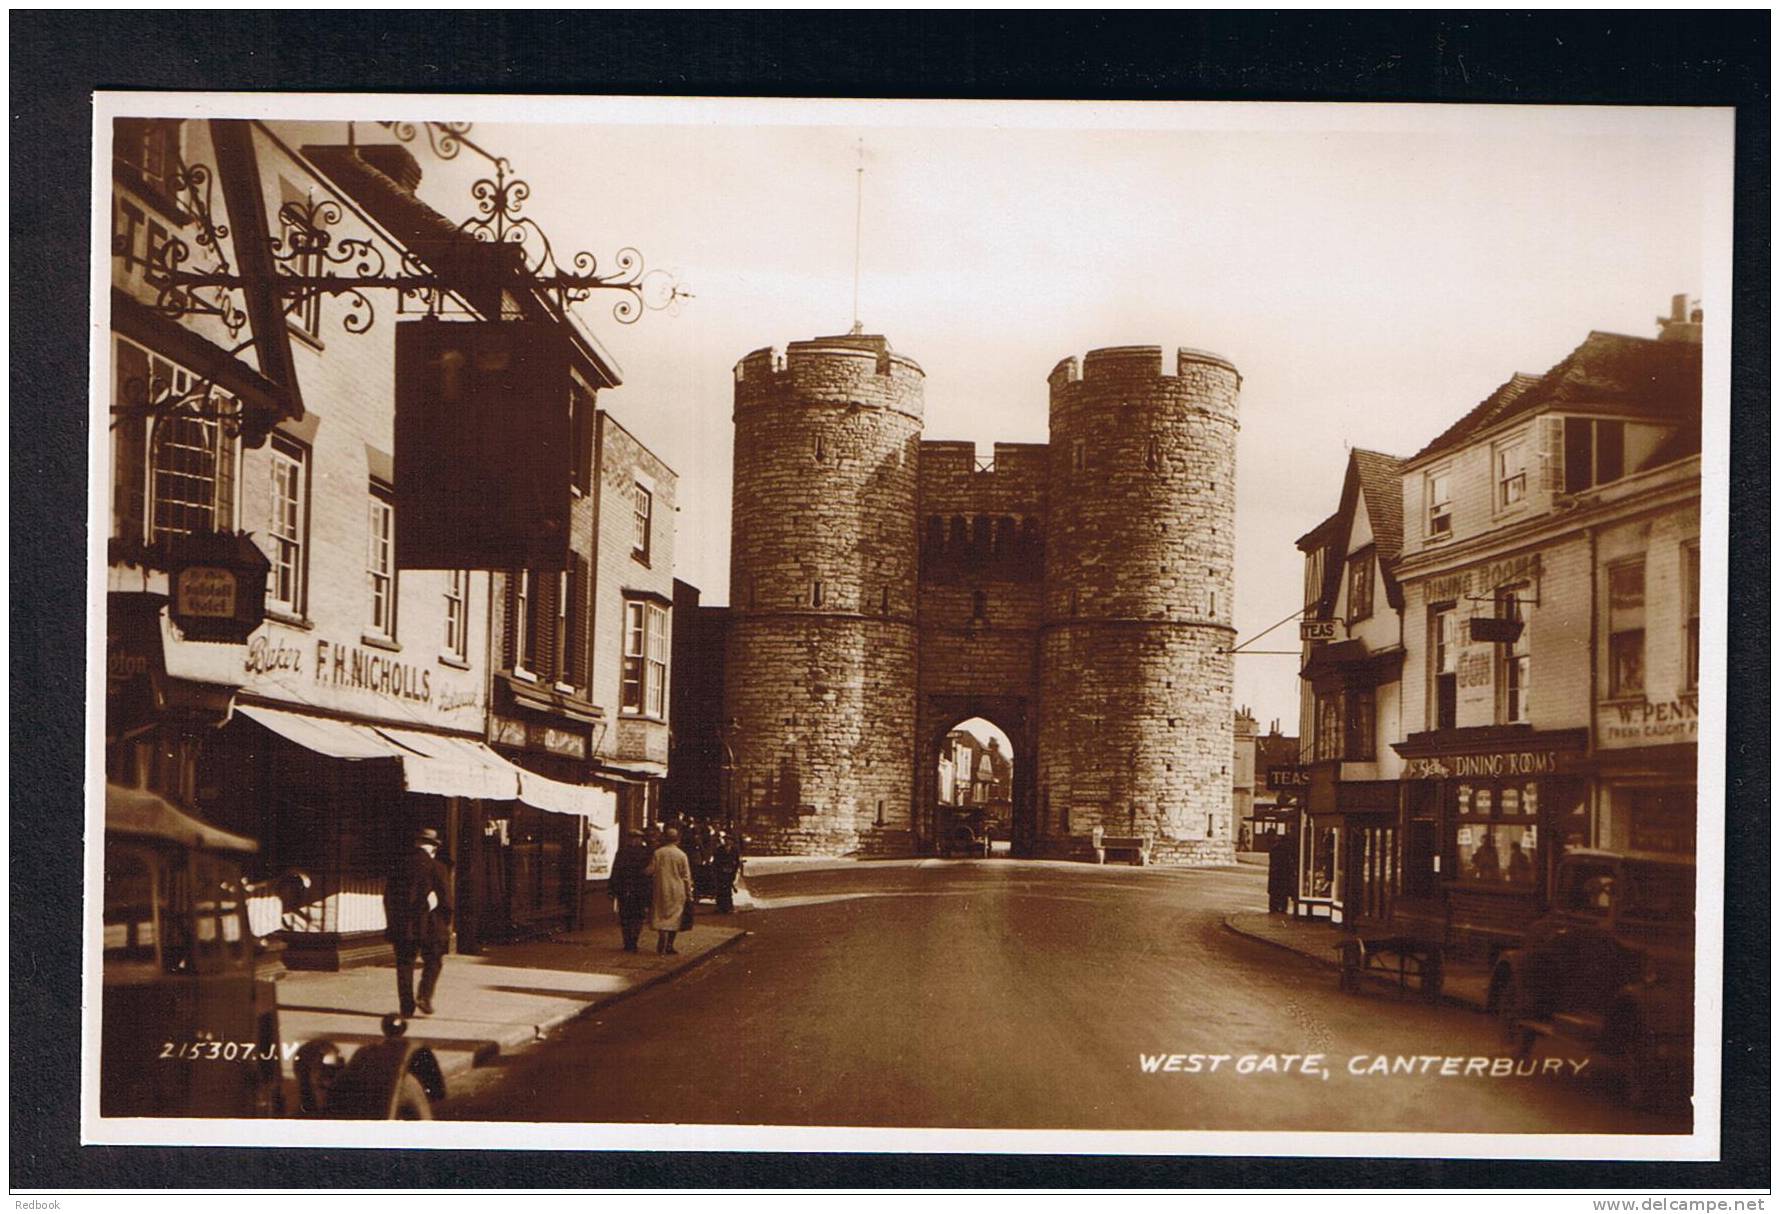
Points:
x=412 y=1103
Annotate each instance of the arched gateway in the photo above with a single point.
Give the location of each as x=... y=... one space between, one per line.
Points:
x=1077 y=594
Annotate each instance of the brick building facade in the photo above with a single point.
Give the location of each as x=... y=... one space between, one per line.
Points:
x=1542 y=646
x=1077 y=594
x=371 y=700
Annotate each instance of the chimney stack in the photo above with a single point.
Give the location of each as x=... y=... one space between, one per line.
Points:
x=1682 y=323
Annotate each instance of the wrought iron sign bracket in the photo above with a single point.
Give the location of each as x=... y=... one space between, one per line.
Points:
x=309 y=259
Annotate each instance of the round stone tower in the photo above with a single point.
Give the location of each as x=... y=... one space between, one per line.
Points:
x=820 y=681
x=1135 y=724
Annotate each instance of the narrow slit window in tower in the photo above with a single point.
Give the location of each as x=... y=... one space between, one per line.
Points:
x=1078 y=455
x=815 y=594
x=880 y=811
x=884 y=600
x=1152 y=455
x=821 y=446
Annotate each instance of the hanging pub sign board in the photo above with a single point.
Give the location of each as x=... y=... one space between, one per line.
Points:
x=1487 y=629
x=217 y=583
x=483 y=452
x=1316 y=631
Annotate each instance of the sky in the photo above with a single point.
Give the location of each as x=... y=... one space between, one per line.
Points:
x=1373 y=271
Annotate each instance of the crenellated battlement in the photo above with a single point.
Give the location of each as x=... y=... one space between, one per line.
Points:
x=1133 y=362
x=850 y=369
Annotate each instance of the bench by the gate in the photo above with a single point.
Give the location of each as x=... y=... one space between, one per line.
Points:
x=1133 y=848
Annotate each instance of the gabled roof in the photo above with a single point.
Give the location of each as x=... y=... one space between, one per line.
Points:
x=1608 y=371
x=1381 y=483
x=1379 y=479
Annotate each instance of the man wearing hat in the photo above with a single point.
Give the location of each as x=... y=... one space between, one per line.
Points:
x=417 y=906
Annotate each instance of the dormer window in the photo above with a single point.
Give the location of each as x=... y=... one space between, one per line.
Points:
x=1440 y=504
x=1594 y=453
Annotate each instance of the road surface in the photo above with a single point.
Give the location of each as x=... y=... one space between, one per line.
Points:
x=1006 y=994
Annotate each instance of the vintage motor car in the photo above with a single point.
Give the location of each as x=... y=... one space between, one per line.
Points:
x=964 y=832
x=189 y=1029
x=1610 y=968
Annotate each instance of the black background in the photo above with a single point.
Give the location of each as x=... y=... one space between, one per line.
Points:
x=58 y=59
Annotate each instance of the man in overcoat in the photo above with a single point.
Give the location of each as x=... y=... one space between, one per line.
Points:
x=726 y=865
x=673 y=887
x=1282 y=872
x=631 y=888
x=417 y=908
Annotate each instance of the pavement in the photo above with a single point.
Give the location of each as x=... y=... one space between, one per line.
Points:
x=1462 y=983
x=505 y=999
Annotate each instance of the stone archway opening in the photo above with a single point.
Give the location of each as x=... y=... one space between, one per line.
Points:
x=974 y=790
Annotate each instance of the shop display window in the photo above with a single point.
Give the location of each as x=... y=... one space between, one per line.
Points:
x=1320 y=879
x=1498 y=833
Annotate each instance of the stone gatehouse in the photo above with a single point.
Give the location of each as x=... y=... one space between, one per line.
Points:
x=1077 y=594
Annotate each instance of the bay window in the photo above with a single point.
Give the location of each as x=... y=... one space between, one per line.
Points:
x=643 y=688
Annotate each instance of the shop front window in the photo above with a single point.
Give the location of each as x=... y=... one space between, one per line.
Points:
x=1660 y=819
x=1498 y=833
x=1320 y=880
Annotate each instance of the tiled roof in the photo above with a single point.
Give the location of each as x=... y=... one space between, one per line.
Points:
x=1274 y=750
x=1381 y=483
x=1494 y=407
x=1309 y=537
x=1638 y=375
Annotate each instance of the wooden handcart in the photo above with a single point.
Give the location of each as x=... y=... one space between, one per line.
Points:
x=1391 y=949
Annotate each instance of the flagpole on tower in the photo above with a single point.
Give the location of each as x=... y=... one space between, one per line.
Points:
x=858 y=229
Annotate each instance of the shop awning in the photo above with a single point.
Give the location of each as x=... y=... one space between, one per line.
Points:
x=323 y=735
x=453 y=767
x=431 y=763
x=598 y=805
x=438 y=764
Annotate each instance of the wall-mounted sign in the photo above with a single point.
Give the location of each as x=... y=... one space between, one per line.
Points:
x=1316 y=631
x=1643 y=723
x=204 y=590
x=537 y=735
x=1481 y=579
x=1485 y=764
x=602 y=847
x=1281 y=778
